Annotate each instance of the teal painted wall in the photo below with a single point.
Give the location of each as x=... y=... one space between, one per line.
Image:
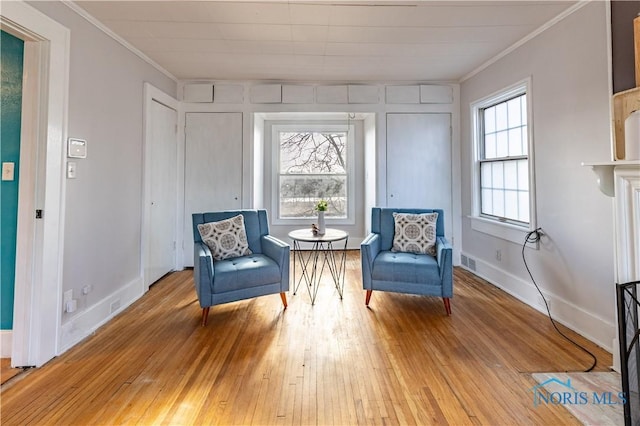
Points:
x=11 y=58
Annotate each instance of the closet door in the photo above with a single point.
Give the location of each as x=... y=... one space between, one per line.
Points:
x=213 y=167
x=419 y=161
x=161 y=166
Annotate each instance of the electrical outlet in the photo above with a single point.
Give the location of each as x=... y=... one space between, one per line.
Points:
x=499 y=255
x=87 y=289
x=71 y=306
x=541 y=301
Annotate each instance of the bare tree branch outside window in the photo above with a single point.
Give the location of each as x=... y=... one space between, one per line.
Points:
x=312 y=168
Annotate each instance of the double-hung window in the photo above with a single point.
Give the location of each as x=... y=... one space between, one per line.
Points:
x=314 y=162
x=503 y=193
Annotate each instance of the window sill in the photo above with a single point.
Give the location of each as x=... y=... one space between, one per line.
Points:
x=506 y=231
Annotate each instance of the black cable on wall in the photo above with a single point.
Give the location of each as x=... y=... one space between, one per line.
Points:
x=534 y=237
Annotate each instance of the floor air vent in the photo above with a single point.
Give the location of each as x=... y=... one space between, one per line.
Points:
x=468 y=262
x=472 y=264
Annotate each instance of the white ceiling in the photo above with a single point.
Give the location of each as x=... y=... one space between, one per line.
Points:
x=302 y=40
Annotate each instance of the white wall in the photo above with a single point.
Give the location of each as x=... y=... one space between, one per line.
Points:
x=568 y=64
x=103 y=207
x=372 y=132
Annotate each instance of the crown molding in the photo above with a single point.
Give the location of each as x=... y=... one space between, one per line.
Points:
x=527 y=38
x=91 y=19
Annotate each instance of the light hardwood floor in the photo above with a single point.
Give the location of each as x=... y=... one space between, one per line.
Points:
x=6 y=371
x=402 y=361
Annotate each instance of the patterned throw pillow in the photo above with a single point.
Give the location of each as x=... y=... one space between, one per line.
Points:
x=226 y=238
x=415 y=233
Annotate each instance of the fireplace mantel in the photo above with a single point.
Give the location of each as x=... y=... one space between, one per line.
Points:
x=620 y=180
x=627 y=222
x=605 y=173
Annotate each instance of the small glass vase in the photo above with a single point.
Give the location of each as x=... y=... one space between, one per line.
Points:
x=321 y=224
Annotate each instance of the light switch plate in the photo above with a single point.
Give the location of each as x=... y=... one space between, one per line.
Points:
x=8 y=171
x=71 y=170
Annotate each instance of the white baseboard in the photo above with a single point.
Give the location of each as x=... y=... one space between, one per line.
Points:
x=593 y=327
x=616 y=355
x=86 y=322
x=354 y=243
x=6 y=343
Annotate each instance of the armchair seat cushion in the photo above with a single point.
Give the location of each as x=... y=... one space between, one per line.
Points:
x=249 y=271
x=405 y=267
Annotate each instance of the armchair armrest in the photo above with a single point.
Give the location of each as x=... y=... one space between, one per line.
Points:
x=279 y=251
x=369 y=249
x=276 y=249
x=203 y=270
x=444 y=256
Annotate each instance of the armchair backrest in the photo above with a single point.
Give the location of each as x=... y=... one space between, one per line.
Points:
x=256 y=224
x=382 y=223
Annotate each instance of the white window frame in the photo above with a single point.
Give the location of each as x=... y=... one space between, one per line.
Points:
x=510 y=231
x=305 y=126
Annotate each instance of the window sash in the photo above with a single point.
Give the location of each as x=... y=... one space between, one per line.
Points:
x=503 y=164
x=504 y=190
x=341 y=207
x=503 y=128
x=307 y=147
x=304 y=202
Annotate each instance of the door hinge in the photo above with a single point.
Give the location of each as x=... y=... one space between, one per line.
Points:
x=38 y=214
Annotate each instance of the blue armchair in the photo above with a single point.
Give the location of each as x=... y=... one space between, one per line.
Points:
x=401 y=272
x=264 y=271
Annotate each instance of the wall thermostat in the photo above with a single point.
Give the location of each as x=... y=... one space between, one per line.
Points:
x=76 y=148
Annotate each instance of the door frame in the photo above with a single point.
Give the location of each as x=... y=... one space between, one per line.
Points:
x=39 y=253
x=153 y=94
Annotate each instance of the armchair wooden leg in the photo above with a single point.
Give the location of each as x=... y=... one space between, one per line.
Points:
x=284 y=299
x=447 y=305
x=368 y=297
x=205 y=316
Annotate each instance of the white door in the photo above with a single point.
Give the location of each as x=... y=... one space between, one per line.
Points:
x=213 y=167
x=160 y=159
x=419 y=162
